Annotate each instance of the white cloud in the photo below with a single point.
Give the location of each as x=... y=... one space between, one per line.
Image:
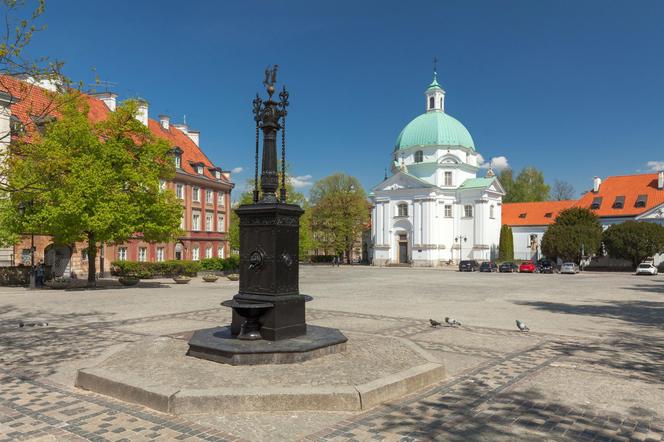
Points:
x=301 y=181
x=655 y=166
x=497 y=163
x=237 y=169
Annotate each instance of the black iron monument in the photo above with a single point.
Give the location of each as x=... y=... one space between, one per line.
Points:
x=268 y=306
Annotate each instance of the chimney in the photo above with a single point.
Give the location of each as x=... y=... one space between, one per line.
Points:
x=195 y=136
x=183 y=127
x=109 y=99
x=142 y=113
x=165 y=121
x=660 y=180
x=597 y=181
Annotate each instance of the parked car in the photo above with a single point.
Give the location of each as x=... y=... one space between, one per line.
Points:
x=646 y=268
x=469 y=265
x=569 y=268
x=488 y=266
x=545 y=266
x=508 y=267
x=527 y=267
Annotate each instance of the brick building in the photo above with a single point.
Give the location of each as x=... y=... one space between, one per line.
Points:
x=203 y=187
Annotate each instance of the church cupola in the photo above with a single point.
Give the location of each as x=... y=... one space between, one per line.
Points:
x=435 y=95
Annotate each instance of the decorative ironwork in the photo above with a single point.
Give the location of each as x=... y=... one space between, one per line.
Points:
x=258 y=103
x=283 y=104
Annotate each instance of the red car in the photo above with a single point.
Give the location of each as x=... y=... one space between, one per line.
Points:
x=527 y=267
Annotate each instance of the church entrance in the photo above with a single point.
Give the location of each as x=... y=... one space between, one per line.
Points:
x=403 y=249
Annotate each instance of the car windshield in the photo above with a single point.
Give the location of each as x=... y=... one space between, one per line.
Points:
x=644 y=266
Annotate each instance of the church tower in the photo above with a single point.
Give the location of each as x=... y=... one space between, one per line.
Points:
x=435 y=95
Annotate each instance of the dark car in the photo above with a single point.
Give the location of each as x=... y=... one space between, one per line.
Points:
x=545 y=266
x=488 y=266
x=468 y=265
x=508 y=267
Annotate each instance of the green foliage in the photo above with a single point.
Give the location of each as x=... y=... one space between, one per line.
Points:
x=634 y=240
x=219 y=264
x=340 y=213
x=145 y=270
x=506 y=244
x=528 y=186
x=575 y=230
x=98 y=182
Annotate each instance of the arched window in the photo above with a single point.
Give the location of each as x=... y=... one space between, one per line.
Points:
x=441 y=102
x=402 y=209
x=432 y=102
x=419 y=156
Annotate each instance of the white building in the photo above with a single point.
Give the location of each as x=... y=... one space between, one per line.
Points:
x=434 y=209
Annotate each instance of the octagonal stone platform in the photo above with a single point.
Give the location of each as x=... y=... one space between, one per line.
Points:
x=156 y=373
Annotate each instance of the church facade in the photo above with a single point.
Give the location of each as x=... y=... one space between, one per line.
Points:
x=434 y=209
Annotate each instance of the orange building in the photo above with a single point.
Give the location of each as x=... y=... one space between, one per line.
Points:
x=203 y=187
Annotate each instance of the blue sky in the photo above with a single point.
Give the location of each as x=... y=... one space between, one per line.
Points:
x=575 y=88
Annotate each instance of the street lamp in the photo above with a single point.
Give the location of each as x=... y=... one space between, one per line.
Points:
x=459 y=239
x=21 y=211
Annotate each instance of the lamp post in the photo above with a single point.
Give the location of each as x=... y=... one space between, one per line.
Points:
x=21 y=210
x=459 y=239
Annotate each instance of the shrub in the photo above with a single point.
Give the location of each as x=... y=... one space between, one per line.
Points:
x=321 y=258
x=232 y=263
x=146 y=270
x=634 y=240
x=217 y=264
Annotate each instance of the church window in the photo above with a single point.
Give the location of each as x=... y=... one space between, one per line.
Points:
x=402 y=209
x=448 y=211
x=431 y=102
x=448 y=178
x=491 y=214
x=419 y=156
x=468 y=211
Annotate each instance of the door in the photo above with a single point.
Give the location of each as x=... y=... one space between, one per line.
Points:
x=403 y=249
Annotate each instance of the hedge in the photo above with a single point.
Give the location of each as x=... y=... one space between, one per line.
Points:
x=231 y=264
x=145 y=270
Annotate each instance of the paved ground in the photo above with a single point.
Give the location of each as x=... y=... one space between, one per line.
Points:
x=591 y=369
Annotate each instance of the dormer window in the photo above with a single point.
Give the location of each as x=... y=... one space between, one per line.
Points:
x=641 y=201
x=42 y=122
x=522 y=215
x=199 y=169
x=178 y=161
x=15 y=126
x=419 y=156
x=597 y=202
x=548 y=215
x=619 y=203
x=217 y=174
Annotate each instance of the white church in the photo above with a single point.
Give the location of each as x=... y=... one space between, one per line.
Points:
x=434 y=209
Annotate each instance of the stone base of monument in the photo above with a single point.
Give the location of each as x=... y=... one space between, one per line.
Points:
x=156 y=373
x=219 y=345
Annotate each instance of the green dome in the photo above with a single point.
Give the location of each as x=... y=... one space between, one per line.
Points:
x=435 y=128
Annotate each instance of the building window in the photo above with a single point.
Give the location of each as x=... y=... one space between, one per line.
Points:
x=208 y=222
x=182 y=220
x=142 y=254
x=491 y=212
x=208 y=252
x=122 y=254
x=178 y=161
x=196 y=194
x=209 y=196
x=431 y=102
x=217 y=174
x=179 y=191
x=448 y=211
x=221 y=200
x=220 y=251
x=468 y=211
x=199 y=169
x=196 y=221
x=220 y=223
x=195 y=253
x=160 y=254
x=419 y=156
x=402 y=209
x=448 y=178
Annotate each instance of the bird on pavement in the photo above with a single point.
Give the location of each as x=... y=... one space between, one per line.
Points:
x=452 y=322
x=32 y=324
x=434 y=323
x=522 y=326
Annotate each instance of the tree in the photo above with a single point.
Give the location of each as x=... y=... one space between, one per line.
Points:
x=634 y=240
x=506 y=244
x=506 y=178
x=576 y=232
x=340 y=213
x=562 y=190
x=98 y=182
x=528 y=186
x=292 y=197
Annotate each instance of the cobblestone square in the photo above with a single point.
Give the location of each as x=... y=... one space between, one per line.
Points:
x=592 y=367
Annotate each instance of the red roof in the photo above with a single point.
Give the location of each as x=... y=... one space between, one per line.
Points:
x=34 y=101
x=533 y=214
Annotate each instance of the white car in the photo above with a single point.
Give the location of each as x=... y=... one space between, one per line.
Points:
x=646 y=268
x=569 y=268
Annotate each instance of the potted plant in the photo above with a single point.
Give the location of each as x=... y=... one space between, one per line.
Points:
x=181 y=279
x=210 y=277
x=128 y=280
x=58 y=283
x=233 y=277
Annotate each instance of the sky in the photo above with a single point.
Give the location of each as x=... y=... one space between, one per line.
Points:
x=574 y=88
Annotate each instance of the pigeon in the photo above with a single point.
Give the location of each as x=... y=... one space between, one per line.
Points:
x=453 y=322
x=22 y=324
x=434 y=323
x=522 y=326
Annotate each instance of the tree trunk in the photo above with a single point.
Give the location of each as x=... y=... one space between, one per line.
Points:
x=92 y=260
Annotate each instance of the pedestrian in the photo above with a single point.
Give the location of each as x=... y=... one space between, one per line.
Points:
x=39 y=276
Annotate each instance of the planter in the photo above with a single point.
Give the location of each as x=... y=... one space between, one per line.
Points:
x=233 y=277
x=58 y=285
x=128 y=280
x=210 y=278
x=182 y=279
